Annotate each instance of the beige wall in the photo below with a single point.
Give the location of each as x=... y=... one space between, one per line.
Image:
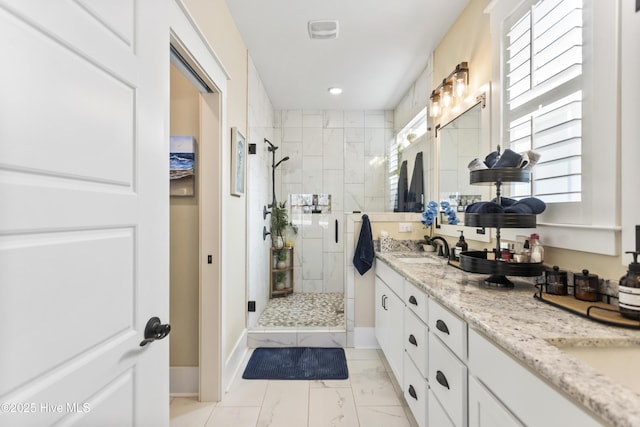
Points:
x=215 y=21
x=468 y=39
x=184 y=236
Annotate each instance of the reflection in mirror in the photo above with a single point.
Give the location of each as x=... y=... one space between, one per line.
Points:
x=461 y=141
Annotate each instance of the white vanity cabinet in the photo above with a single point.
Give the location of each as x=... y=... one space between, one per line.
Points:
x=447 y=363
x=389 y=316
x=518 y=396
x=416 y=346
x=487 y=411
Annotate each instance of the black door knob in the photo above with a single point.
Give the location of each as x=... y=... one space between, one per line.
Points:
x=155 y=330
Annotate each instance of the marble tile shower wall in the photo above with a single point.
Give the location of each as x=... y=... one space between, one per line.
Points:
x=341 y=153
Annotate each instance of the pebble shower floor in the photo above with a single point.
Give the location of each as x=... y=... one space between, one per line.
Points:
x=305 y=309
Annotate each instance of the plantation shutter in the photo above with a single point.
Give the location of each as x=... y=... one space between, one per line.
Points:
x=543 y=99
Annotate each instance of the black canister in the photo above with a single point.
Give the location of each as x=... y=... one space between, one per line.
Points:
x=556 y=281
x=585 y=286
x=629 y=292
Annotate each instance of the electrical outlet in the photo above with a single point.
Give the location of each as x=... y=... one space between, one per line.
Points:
x=252 y=306
x=405 y=227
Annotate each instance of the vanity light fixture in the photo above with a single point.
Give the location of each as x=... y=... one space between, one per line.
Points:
x=335 y=90
x=452 y=89
x=434 y=105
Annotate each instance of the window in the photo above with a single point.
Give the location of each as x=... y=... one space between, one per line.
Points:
x=543 y=62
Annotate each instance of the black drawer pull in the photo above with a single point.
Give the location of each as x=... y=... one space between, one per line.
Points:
x=412 y=340
x=412 y=392
x=442 y=380
x=441 y=326
x=413 y=301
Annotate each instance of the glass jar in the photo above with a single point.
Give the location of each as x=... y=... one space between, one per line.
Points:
x=585 y=286
x=556 y=281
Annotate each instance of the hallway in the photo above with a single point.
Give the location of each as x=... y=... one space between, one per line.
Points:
x=368 y=398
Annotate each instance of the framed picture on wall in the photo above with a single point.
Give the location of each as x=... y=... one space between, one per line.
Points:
x=238 y=162
x=182 y=165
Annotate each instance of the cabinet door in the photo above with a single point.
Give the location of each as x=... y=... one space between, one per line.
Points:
x=437 y=415
x=485 y=410
x=389 y=327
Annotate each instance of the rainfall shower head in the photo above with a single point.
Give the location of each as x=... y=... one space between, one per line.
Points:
x=284 y=159
x=271 y=146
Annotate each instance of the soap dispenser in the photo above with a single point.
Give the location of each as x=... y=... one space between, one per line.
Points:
x=461 y=246
x=629 y=291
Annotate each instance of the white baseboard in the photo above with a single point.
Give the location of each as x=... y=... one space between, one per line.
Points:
x=365 y=338
x=183 y=381
x=234 y=362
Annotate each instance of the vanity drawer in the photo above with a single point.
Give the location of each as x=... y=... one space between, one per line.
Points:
x=449 y=328
x=448 y=380
x=389 y=276
x=416 y=300
x=415 y=391
x=416 y=340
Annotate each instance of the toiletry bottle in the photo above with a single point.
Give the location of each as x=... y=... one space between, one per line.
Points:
x=461 y=246
x=526 y=251
x=629 y=291
x=537 y=251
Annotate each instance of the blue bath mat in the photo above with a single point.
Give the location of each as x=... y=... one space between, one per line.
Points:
x=297 y=363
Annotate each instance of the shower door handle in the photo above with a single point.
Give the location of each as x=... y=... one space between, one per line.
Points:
x=336 y=231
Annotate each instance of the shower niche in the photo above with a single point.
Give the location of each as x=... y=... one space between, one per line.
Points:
x=311 y=203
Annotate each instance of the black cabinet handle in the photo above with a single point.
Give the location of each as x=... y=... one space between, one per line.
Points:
x=442 y=326
x=442 y=380
x=412 y=300
x=336 y=231
x=412 y=340
x=412 y=392
x=384 y=300
x=155 y=330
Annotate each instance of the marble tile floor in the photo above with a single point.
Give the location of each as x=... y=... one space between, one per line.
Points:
x=368 y=398
x=304 y=309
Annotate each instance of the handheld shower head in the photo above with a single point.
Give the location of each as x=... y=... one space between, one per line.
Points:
x=284 y=159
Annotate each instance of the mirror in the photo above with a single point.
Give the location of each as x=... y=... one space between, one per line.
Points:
x=461 y=140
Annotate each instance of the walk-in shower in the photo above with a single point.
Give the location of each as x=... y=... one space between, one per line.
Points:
x=312 y=246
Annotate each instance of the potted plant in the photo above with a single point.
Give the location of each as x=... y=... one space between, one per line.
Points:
x=282 y=259
x=279 y=222
x=280 y=280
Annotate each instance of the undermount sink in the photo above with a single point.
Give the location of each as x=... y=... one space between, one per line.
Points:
x=617 y=362
x=419 y=260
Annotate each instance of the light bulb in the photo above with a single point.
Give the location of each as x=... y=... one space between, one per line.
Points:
x=460 y=84
x=434 y=107
x=446 y=95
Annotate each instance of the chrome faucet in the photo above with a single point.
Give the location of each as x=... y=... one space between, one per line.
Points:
x=444 y=245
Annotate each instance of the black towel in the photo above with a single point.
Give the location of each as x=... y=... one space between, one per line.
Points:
x=363 y=257
x=401 y=195
x=416 y=189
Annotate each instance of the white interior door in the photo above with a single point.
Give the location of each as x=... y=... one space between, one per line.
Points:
x=84 y=209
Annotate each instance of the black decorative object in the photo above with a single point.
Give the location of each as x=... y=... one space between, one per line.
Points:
x=476 y=261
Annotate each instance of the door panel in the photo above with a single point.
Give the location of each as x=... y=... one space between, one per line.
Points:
x=84 y=221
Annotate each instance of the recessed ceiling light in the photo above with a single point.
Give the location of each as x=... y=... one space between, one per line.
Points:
x=335 y=90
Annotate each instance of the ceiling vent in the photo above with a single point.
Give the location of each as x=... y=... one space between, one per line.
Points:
x=323 y=30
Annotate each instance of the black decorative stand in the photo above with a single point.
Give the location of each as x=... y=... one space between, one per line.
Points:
x=476 y=261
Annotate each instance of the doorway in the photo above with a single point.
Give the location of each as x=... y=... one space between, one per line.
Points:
x=195 y=224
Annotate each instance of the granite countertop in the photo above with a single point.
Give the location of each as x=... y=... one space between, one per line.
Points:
x=525 y=328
